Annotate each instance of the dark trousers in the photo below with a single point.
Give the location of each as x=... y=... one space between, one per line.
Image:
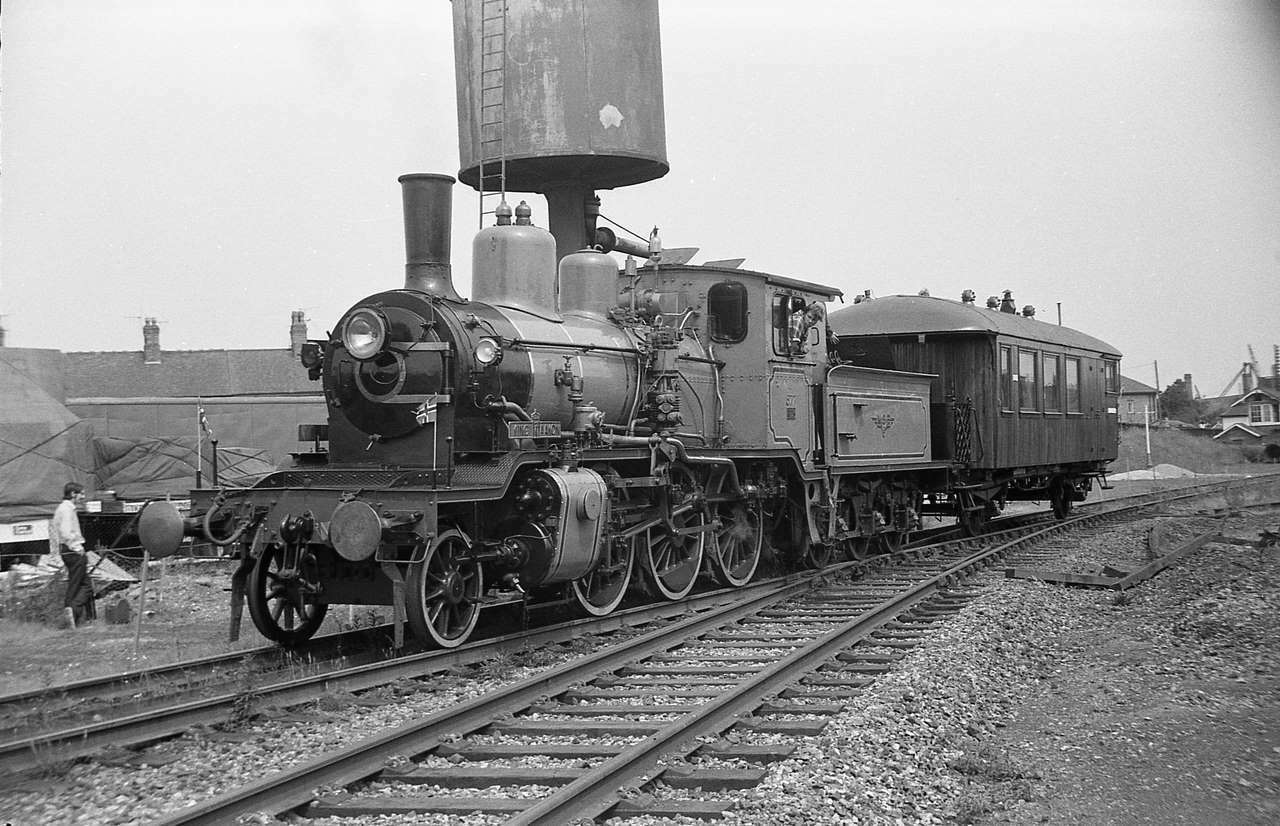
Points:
x=79 y=586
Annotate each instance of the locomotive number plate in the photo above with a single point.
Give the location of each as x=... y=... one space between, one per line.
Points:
x=533 y=430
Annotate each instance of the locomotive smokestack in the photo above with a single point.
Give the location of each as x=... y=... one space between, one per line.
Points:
x=428 y=214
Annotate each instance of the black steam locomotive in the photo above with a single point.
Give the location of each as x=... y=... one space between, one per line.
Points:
x=578 y=431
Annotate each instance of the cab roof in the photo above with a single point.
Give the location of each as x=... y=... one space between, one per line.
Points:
x=921 y=314
x=828 y=293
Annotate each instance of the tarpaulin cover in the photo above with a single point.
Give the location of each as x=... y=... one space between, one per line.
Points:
x=155 y=468
x=42 y=447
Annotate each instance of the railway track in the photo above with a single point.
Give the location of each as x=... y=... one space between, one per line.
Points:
x=215 y=687
x=132 y=708
x=682 y=707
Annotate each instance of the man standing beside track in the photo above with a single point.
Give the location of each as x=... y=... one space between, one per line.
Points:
x=64 y=533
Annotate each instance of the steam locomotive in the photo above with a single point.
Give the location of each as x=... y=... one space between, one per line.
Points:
x=578 y=431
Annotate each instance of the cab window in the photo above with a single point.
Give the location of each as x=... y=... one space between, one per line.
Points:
x=727 y=312
x=793 y=332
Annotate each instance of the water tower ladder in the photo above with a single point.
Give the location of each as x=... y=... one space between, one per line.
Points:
x=493 y=122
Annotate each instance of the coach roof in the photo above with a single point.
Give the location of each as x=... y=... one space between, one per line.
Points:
x=921 y=314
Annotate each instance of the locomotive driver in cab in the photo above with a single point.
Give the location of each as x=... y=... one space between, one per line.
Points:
x=802 y=320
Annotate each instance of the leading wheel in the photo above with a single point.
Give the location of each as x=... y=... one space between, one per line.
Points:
x=670 y=561
x=736 y=544
x=444 y=591
x=283 y=598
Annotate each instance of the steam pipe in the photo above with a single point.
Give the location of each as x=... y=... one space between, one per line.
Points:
x=608 y=241
x=428 y=215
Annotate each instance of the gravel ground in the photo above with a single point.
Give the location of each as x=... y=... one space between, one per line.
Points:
x=1034 y=704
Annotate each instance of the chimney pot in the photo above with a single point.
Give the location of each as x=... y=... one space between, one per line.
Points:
x=297 y=331
x=150 y=341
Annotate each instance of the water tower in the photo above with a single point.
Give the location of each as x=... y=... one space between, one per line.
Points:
x=561 y=98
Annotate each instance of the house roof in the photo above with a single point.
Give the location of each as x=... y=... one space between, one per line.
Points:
x=124 y=374
x=1134 y=387
x=916 y=314
x=1257 y=393
x=1256 y=430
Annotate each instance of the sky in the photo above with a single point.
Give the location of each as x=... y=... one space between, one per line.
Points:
x=216 y=164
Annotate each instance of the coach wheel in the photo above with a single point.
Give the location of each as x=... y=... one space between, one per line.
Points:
x=1060 y=498
x=971 y=519
x=444 y=591
x=284 y=605
x=670 y=561
x=736 y=544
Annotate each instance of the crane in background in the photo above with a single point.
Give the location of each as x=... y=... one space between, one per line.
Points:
x=1247 y=375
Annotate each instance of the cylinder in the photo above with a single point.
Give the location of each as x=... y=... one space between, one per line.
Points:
x=576 y=99
x=428 y=212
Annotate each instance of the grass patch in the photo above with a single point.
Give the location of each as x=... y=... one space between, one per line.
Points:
x=1192 y=451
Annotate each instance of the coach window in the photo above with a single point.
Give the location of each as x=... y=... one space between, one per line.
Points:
x=1071 y=376
x=727 y=311
x=1028 y=380
x=1113 y=376
x=1052 y=385
x=1006 y=377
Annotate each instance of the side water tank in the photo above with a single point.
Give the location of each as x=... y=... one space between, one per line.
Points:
x=577 y=100
x=588 y=283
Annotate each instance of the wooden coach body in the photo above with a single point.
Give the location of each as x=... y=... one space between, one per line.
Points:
x=1012 y=396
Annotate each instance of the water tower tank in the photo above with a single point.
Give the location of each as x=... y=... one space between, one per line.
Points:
x=577 y=100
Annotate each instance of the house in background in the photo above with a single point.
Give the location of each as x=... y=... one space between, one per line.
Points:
x=1254 y=419
x=1135 y=399
x=251 y=398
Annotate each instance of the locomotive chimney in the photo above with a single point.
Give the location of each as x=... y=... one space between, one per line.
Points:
x=428 y=213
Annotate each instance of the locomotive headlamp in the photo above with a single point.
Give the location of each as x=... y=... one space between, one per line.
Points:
x=488 y=352
x=365 y=333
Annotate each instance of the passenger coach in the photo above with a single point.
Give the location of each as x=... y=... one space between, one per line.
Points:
x=1023 y=408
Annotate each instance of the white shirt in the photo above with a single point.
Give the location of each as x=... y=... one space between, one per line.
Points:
x=64 y=528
